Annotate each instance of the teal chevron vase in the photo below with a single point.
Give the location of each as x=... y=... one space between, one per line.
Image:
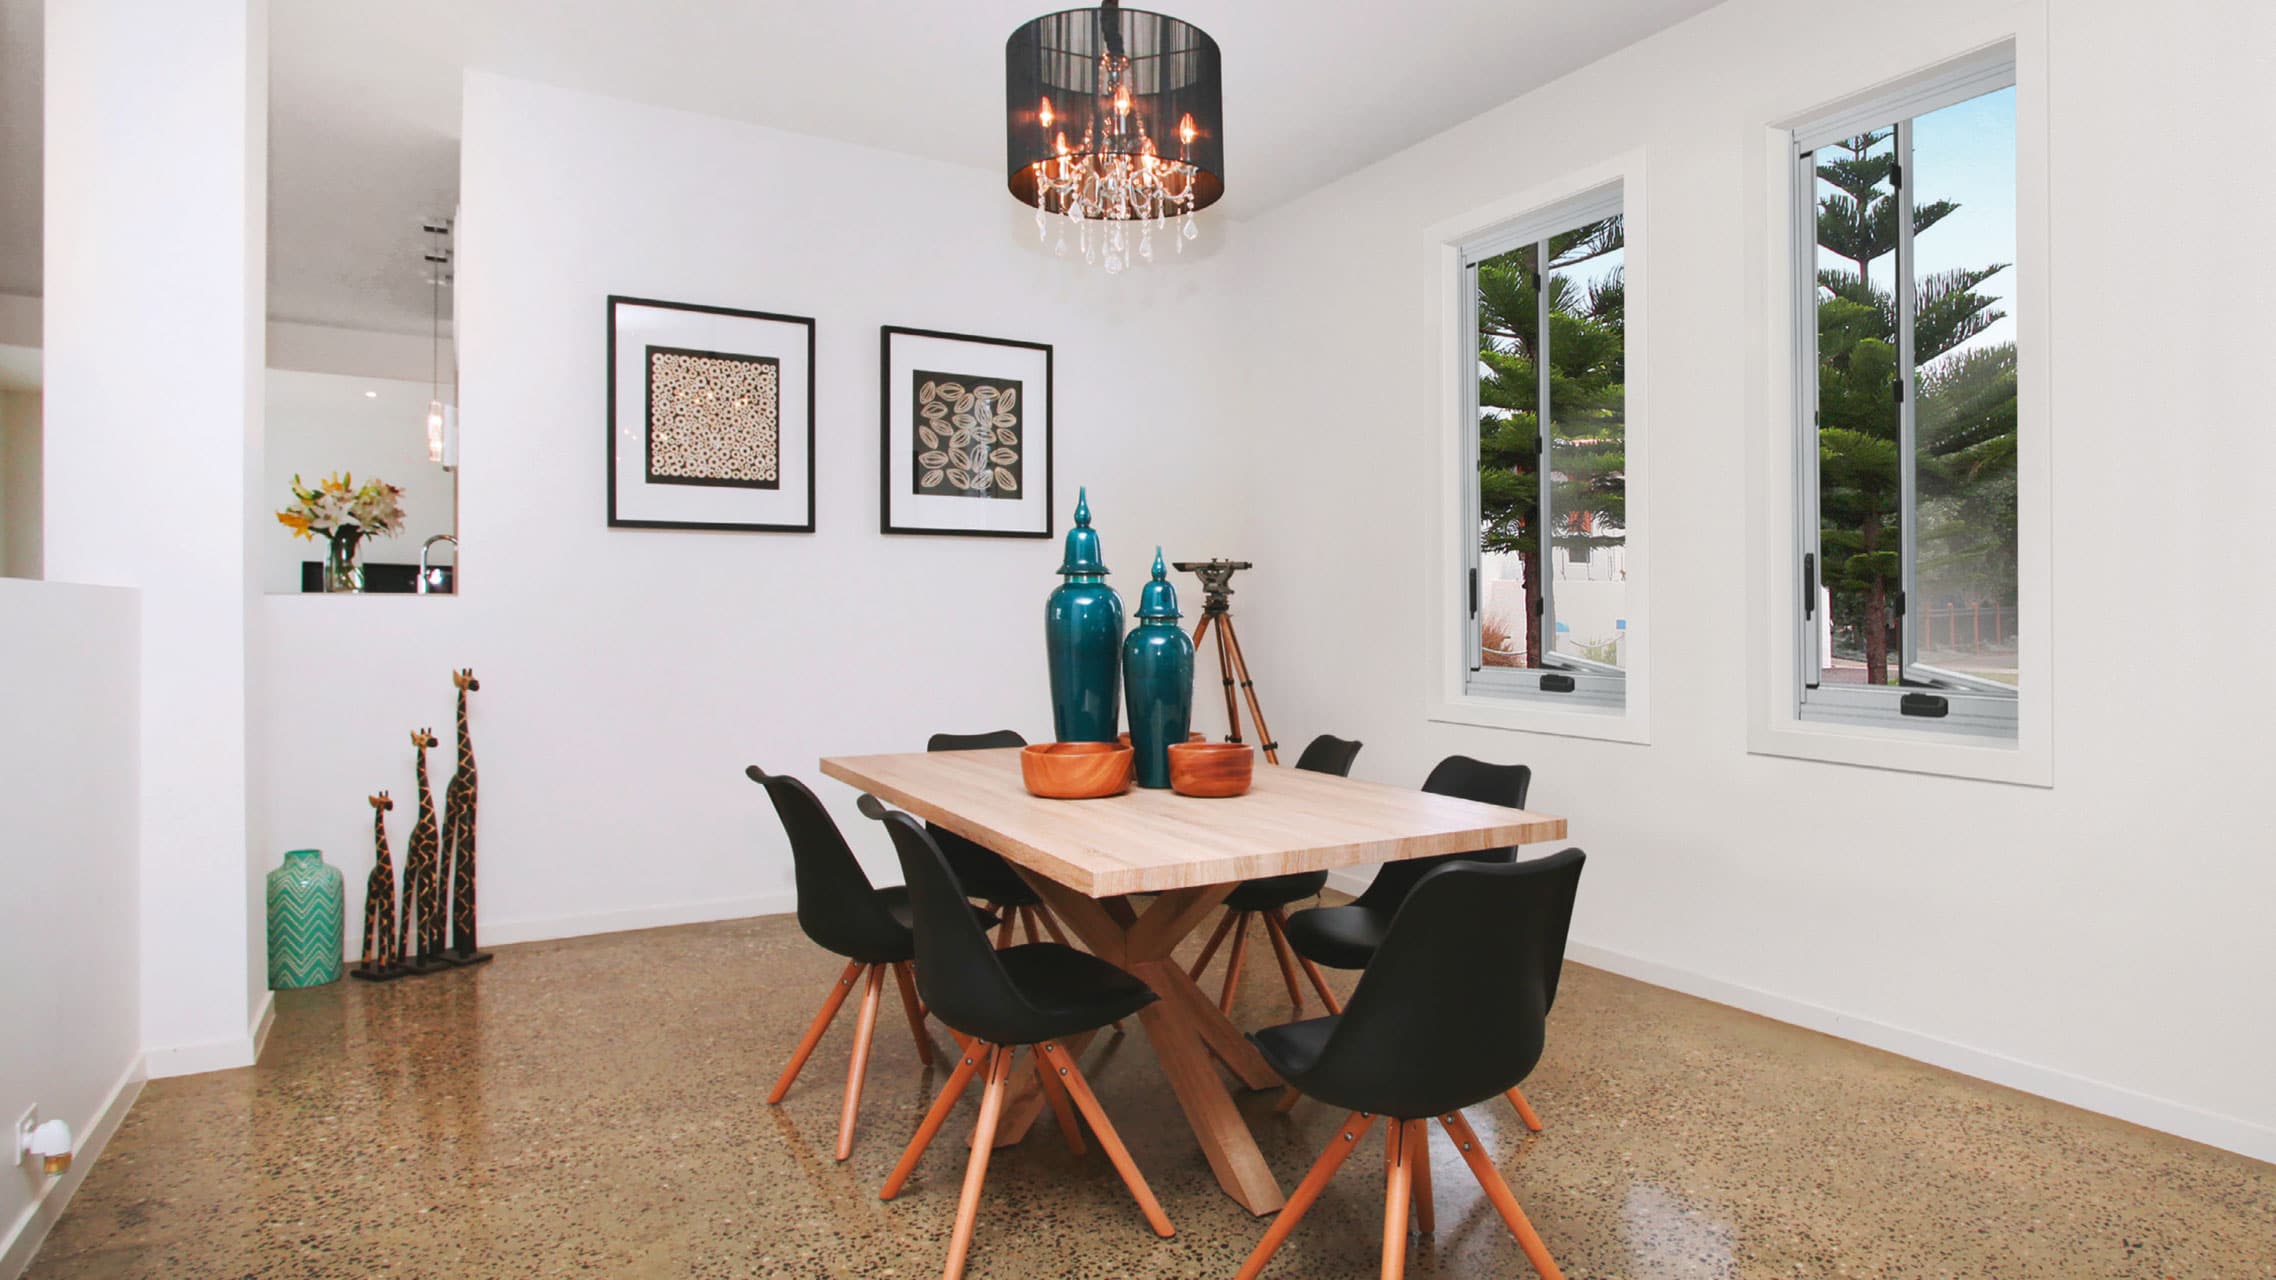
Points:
x=307 y=909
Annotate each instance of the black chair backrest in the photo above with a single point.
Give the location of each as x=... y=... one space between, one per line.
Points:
x=958 y=972
x=1329 y=754
x=975 y=741
x=1502 y=784
x=1451 y=1011
x=983 y=866
x=837 y=906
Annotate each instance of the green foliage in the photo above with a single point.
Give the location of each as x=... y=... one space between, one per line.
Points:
x=1964 y=416
x=1587 y=363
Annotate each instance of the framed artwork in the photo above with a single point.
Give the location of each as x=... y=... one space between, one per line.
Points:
x=711 y=418
x=967 y=434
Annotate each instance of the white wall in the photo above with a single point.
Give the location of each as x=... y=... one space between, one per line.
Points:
x=19 y=483
x=629 y=675
x=2103 y=941
x=373 y=428
x=153 y=334
x=70 y=1032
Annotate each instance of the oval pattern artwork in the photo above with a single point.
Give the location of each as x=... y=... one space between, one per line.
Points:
x=966 y=437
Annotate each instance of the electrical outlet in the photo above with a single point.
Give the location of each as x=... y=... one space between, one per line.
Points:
x=25 y=1123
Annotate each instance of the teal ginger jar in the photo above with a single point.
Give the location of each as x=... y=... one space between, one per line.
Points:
x=307 y=909
x=1082 y=640
x=1157 y=678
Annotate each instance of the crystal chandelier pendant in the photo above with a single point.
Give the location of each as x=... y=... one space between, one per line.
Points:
x=1116 y=118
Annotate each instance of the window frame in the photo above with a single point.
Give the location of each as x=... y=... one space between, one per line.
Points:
x=1958 y=704
x=2016 y=33
x=1602 y=705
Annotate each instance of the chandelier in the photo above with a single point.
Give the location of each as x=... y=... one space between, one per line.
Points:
x=1114 y=117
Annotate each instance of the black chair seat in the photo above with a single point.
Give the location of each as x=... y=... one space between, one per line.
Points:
x=1072 y=991
x=1294 y=1048
x=1339 y=937
x=1276 y=891
x=895 y=900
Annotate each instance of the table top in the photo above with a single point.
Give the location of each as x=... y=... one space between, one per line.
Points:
x=1146 y=841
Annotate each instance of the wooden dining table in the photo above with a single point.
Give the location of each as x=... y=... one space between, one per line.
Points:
x=1088 y=858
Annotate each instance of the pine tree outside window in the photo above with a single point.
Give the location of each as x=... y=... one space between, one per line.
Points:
x=1906 y=391
x=1546 y=594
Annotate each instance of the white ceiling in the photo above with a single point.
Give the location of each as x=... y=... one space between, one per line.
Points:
x=365 y=97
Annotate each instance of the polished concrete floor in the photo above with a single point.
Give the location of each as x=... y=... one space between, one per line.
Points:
x=595 y=1107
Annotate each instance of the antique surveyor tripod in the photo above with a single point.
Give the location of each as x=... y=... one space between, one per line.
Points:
x=1216 y=586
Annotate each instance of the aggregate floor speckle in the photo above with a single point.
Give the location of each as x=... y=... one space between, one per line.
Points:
x=595 y=1106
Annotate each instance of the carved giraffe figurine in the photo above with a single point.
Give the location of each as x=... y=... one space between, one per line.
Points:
x=458 y=836
x=380 y=954
x=422 y=898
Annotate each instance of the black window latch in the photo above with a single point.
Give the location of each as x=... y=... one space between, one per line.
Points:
x=1809 y=584
x=1556 y=684
x=1933 y=706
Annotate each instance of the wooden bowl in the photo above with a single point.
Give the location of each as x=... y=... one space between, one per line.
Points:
x=1076 y=770
x=1211 y=770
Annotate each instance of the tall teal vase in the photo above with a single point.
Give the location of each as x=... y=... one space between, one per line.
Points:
x=1082 y=640
x=1157 y=678
x=306 y=911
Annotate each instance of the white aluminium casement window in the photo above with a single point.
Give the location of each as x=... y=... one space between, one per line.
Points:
x=1905 y=390
x=1546 y=593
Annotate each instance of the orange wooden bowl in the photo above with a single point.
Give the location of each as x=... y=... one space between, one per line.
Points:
x=1211 y=770
x=1076 y=770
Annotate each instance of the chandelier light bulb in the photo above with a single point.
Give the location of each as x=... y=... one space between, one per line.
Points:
x=1043 y=113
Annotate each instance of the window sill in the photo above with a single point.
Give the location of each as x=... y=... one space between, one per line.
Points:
x=1528 y=715
x=1951 y=755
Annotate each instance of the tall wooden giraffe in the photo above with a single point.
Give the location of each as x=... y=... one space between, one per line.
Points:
x=458 y=835
x=422 y=893
x=380 y=953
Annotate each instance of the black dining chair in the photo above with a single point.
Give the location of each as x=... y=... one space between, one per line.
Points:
x=1424 y=1037
x=983 y=871
x=843 y=913
x=1000 y=1000
x=1347 y=937
x=1269 y=898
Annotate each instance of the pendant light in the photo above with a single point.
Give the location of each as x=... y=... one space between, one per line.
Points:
x=1116 y=117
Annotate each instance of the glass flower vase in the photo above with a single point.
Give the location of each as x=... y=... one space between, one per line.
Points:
x=342 y=570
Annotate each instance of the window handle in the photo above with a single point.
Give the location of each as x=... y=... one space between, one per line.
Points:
x=1809 y=585
x=1556 y=684
x=1473 y=593
x=1932 y=706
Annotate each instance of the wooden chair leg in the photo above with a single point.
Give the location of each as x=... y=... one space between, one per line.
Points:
x=1061 y=1108
x=1277 y=919
x=1004 y=930
x=1490 y=1178
x=857 y=1071
x=975 y=1055
x=915 y=1008
x=1524 y=1109
x=1418 y=1155
x=1209 y=952
x=1108 y=1140
x=1398 y=1192
x=1051 y=924
x=1287 y=958
x=1289 y=1097
x=1233 y=965
x=821 y=1023
x=1340 y=1147
x=1027 y=922
x=976 y=1169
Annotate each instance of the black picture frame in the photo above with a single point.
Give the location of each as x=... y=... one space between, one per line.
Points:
x=886 y=450
x=618 y=521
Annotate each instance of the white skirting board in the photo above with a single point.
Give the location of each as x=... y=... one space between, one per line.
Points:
x=216 y=1055
x=2180 y=1119
x=29 y=1231
x=765 y=904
